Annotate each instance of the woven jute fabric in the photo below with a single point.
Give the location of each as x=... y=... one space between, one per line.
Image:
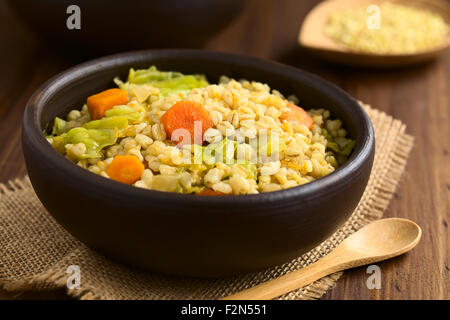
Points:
x=35 y=251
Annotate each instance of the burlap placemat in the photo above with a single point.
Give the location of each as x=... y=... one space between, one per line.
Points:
x=35 y=251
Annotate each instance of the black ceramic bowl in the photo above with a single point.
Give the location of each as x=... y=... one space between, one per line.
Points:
x=186 y=234
x=114 y=26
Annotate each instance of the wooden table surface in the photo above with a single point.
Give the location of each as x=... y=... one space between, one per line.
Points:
x=419 y=96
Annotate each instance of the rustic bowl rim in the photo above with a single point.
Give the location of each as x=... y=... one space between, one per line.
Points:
x=31 y=126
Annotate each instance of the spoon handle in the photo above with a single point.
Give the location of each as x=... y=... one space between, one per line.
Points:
x=291 y=281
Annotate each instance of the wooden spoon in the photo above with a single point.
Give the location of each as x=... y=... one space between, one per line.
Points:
x=312 y=36
x=380 y=240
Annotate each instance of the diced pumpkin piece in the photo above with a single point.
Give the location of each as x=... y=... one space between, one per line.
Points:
x=99 y=103
x=209 y=192
x=184 y=115
x=125 y=168
x=299 y=115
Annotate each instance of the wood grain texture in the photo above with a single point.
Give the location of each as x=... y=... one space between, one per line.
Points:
x=377 y=241
x=419 y=96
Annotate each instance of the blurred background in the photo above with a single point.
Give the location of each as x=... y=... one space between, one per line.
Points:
x=110 y=26
x=417 y=95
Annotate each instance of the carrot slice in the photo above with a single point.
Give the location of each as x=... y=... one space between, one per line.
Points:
x=209 y=192
x=298 y=114
x=182 y=115
x=125 y=169
x=98 y=103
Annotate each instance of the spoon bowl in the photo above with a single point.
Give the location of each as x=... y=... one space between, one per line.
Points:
x=386 y=237
x=313 y=39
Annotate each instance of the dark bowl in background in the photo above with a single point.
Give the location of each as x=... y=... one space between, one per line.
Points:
x=111 y=26
x=185 y=234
